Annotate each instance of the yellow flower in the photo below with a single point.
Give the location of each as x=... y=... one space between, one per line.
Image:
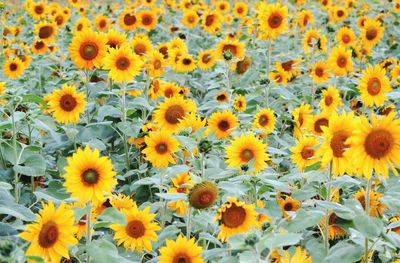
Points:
x=203 y=195
x=244 y=149
x=66 y=104
x=206 y=59
x=38 y=10
x=371 y=33
x=190 y=18
x=160 y=148
x=139 y=231
x=211 y=21
x=46 y=31
x=13 y=68
x=334 y=231
x=330 y=100
x=155 y=64
x=305 y=18
x=340 y=61
x=304 y=153
x=192 y=121
x=314 y=41
x=101 y=23
x=2 y=88
x=288 y=204
x=141 y=44
x=185 y=63
x=265 y=120
x=240 y=9
x=302 y=117
x=88 y=176
x=181 y=250
x=345 y=37
x=320 y=72
x=115 y=39
x=51 y=234
x=235 y=217
x=222 y=123
x=128 y=20
x=240 y=103
x=234 y=46
x=272 y=22
x=300 y=256
x=373 y=85
x=376 y=208
x=148 y=19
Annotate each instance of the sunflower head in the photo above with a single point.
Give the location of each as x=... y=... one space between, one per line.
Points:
x=203 y=195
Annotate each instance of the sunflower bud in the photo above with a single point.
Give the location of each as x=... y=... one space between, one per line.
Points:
x=205 y=146
x=244 y=167
x=228 y=55
x=251 y=240
x=203 y=195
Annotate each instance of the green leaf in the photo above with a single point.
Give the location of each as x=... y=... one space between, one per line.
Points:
x=166 y=196
x=344 y=252
x=370 y=227
x=35 y=259
x=8 y=206
x=103 y=251
x=304 y=219
x=340 y=210
x=34 y=165
x=279 y=240
x=112 y=216
x=34 y=98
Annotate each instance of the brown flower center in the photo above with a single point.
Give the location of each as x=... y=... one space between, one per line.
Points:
x=168 y=92
x=263 y=120
x=48 y=235
x=135 y=229
x=157 y=64
x=90 y=177
x=306 y=153
x=231 y=48
x=332 y=219
x=287 y=66
x=123 y=63
x=139 y=49
x=275 y=20
x=88 y=51
x=221 y=97
x=174 y=113
x=129 y=19
x=46 y=32
x=68 y=102
x=206 y=58
x=223 y=125
x=82 y=221
x=328 y=100
x=147 y=20
x=79 y=27
x=319 y=123
x=341 y=61
x=164 y=51
x=371 y=33
x=337 y=143
x=240 y=10
x=346 y=38
x=181 y=258
x=340 y=13
x=206 y=198
x=374 y=86
x=39 y=9
x=210 y=20
x=13 y=66
x=39 y=45
x=233 y=216
x=288 y=206
x=161 y=148
x=319 y=71
x=103 y=23
x=186 y=61
x=246 y=155
x=378 y=143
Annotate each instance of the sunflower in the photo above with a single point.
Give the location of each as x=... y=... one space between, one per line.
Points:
x=66 y=104
x=338 y=14
x=305 y=18
x=376 y=208
x=373 y=85
x=190 y=18
x=88 y=176
x=181 y=250
x=81 y=24
x=141 y=44
x=185 y=64
x=244 y=149
x=38 y=10
x=302 y=116
x=330 y=100
x=376 y=145
x=147 y=19
x=222 y=123
x=243 y=65
x=265 y=120
x=317 y=122
x=155 y=89
x=222 y=97
x=395 y=74
x=206 y=59
x=345 y=37
x=261 y=217
x=211 y=21
x=272 y=22
x=240 y=9
x=128 y=20
x=46 y=31
x=312 y=40
x=87 y=49
x=279 y=77
x=155 y=64
x=371 y=33
x=234 y=46
x=121 y=202
x=160 y=148
x=340 y=128
x=222 y=6
x=320 y=72
x=192 y=121
x=139 y=230
x=177 y=44
x=39 y=47
x=288 y=204
x=203 y=195
x=340 y=61
x=13 y=68
x=60 y=19
x=169 y=112
x=239 y=104
x=300 y=256
x=169 y=89
x=393 y=220
x=304 y=153
x=182 y=183
x=235 y=217
x=115 y=39
x=81 y=223
x=122 y=63
x=52 y=233
x=290 y=67
x=101 y=23
x=2 y=88
x=334 y=230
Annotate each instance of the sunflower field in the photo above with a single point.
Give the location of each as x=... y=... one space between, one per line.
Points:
x=189 y=131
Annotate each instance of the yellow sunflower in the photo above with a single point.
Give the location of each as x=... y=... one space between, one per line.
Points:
x=302 y=115
x=185 y=63
x=272 y=22
x=279 y=77
x=139 y=231
x=190 y=18
x=288 y=204
x=243 y=65
x=317 y=122
x=265 y=120
x=122 y=63
x=46 y=31
x=338 y=14
x=81 y=24
x=128 y=20
x=148 y=19
x=38 y=10
x=235 y=217
x=345 y=37
x=171 y=111
x=373 y=85
x=13 y=68
x=334 y=230
x=239 y=104
x=330 y=100
x=182 y=183
x=376 y=207
x=304 y=153
x=320 y=72
x=115 y=39
x=203 y=195
x=88 y=176
x=51 y=234
x=340 y=61
x=222 y=97
x=206 y=59
x=181 y=250
x=222 y=123
x=234 y=46
x=240 y=9
x=211 y=21
x=121 y=202
x=39 y=47
x=305 y=18
x=101 y=23
x=66 y=104
x=141 y=44
x=395 y=74
x=300 y=256
x=160 y=148
x=81 y=223
x=87 y=49
x=192 y=121
x=155 y=64
x=371 y=33
x=312 y=40
x=290 y=67
x=375 y=146
x=340 y=128
x=244 y=149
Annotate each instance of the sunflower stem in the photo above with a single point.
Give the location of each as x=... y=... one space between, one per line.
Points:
x=88 y=232
x=189 y=214
x=14 y=142
x=268 y=68
x=125 y=139
x=367 y=203
x=328 y=198
x=162 y=211
x=202 y=166
x=312 y=81
x=87 y=94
